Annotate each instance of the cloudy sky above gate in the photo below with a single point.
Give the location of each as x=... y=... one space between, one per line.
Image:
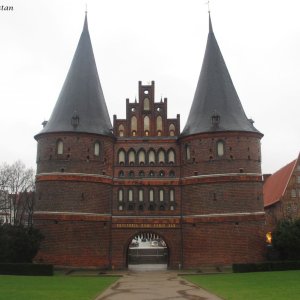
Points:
x=160 y=40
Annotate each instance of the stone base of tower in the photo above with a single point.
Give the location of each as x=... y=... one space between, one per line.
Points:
x=74 y=243
x=193 y=243
x=223 y=242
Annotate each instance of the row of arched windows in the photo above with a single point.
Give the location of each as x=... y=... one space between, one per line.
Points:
x=146 y=126
x=151 y=173
x=141 y=198
x=142 y=157
x=60 y=147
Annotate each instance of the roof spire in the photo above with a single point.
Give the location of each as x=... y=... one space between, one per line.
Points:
x=215 y=92
x=81 y=104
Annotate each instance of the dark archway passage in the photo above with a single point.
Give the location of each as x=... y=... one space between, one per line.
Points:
x=147 y=250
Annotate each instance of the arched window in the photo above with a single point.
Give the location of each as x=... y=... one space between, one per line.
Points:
x=171 y=156
x=159 y=126
x=133 y=125
x=161 y=195
x=142 y=157
x=146 y=104
x=172 y=129
x=131 y=174
x=120 y=207
x=151 y=157
x=97 y=149
x=60 y=147
x=171 y=207
x=161 y=156
x=120 y=195
x=131 y=157
x=151 y=195
x=121 y=157
x=171 y=173
x=141 y=173
x=121 y=174
x=220 y=148
x=121 y=130
x=146 y=124
x=162 y=207
x=141 y=195
x=161 y=173
x=187 y=152
x=151 y=174
x=171 y=195
x=130 y=195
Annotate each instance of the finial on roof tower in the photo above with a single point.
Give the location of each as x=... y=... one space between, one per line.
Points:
x=85 y=26
x=208 y=7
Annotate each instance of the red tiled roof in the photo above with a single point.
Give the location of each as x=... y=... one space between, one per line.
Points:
x=275 y=185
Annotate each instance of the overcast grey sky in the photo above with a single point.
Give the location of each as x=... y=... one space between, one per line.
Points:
x=160 y=40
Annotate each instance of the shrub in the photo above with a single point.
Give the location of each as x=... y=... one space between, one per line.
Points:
x=266 y=266
x=286 y=239
x=18 y=244
x=26 y=269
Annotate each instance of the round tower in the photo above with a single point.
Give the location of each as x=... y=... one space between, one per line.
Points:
x=222 y=202
x=74 y=169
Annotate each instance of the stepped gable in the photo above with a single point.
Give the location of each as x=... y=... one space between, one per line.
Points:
x=81 y=105
x=216 y=105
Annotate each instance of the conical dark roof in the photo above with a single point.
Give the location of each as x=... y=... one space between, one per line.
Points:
x=216 y=105
x=81 y=105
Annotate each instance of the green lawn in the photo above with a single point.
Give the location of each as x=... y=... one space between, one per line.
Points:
x=52 y=288
x=251 y=286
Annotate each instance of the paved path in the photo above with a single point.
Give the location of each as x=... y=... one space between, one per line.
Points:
x=162 y=285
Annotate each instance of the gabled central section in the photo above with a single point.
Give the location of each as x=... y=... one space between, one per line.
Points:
x=146 y=118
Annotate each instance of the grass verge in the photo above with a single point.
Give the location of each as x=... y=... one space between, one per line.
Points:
x=248 y=286
x=50 y=288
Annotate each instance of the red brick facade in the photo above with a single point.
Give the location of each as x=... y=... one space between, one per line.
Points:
x=282 y=194
x=99 y=191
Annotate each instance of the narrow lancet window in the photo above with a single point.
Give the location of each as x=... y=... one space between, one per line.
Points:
x=97 y=149
x=122 y=157
x=121 y=130
x=172 y=129
x=60 y=147
x=161 y=156
x=133 y=125
x=151 y=157
x=146 y=104
x=146 y=125
x=159 y=126
x=220 y=148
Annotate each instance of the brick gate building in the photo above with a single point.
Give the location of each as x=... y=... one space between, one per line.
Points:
x=99 y=185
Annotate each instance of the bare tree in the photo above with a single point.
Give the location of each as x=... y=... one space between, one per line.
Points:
x=5 y=206
x=17 y=192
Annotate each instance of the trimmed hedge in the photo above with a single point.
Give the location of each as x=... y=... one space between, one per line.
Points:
x=266 y=266
x=26 y=269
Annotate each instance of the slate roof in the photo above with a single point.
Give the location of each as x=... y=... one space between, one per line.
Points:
x=216 y=96
x=81 y=105
x=275 y=186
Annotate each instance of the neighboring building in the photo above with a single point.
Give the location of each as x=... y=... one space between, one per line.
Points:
x=282 y=194
x=99 y=186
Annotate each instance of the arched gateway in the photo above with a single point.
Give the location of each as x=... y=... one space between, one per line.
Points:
x=147 y=249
